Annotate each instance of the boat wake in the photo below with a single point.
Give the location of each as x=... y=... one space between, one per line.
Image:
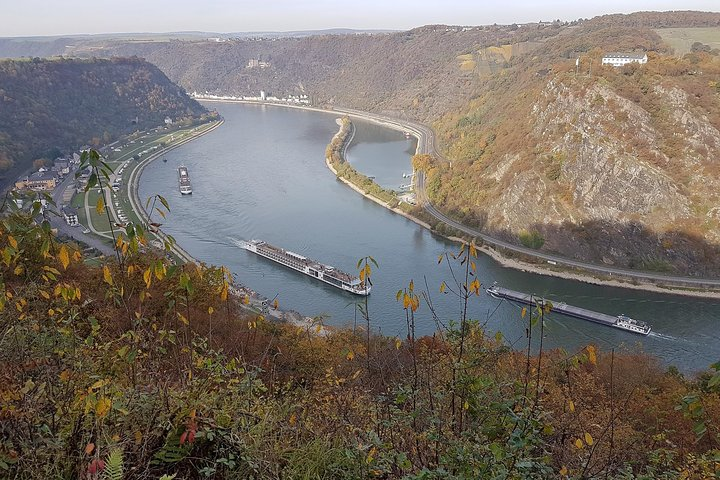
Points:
x=663 y=336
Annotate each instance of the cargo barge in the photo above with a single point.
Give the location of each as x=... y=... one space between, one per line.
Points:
x=622 y=322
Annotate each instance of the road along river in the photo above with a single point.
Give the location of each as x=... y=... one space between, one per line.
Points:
x=263 y=175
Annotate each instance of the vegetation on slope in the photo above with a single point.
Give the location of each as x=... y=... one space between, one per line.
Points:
x=607 y=165
x=50 y=107
x=135 y=369
x=334 y=152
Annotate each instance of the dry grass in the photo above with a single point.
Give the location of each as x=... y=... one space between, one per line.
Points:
x=681 y=39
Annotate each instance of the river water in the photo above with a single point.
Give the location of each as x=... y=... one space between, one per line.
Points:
x=263 y=175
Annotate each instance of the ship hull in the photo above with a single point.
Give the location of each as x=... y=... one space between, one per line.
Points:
x=315 y=273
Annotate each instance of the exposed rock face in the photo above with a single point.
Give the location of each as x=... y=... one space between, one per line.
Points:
x=600 y=159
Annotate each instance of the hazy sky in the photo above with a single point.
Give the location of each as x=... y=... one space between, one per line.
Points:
x=58 y=17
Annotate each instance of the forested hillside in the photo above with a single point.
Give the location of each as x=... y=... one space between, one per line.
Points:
x=593 y=163
x=51 y=106
x=614 y=165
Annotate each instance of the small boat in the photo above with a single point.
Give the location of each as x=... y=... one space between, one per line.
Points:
x=184 y=180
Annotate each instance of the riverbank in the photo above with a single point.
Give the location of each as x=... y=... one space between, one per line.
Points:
x=328 y=162
x=560 y=268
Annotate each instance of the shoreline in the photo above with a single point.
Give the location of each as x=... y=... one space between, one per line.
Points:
x=289 y=316
x=419 y=131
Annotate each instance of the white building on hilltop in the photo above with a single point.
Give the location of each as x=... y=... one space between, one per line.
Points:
x=620 y=59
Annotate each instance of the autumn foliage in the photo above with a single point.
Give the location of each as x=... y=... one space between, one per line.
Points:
x=138 y=369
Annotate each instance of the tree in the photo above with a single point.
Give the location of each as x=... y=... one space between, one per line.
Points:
x=38 y=163
x=6 y=163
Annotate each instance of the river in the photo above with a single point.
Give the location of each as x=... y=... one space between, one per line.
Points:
x=263 y=175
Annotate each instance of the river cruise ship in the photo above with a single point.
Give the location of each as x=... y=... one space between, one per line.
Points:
x=184 y=180
x=311 y=268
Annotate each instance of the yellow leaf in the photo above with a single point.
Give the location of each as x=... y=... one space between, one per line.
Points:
x=406 y=301
x=362 y=275
x=98 y=384
x=588 y=438
x=579 y=443
x=224 y=292
x=523 y=312
x=275 y=304
x=77 y=256
x=103 y=407
x=51 y=312
x=592 y=356
x=131 y=269
x=138 y=437
x=371 y=455
x=564 y=470
x=571 y=405
x=398 y=343
x=318 y=328
x=183 y=319
x=147 y=276
x=210 y=310
x=466 y=405
x=100 y=207
x=473 y=250
x=293 y=419
x=64 y=257
x=107 y=276
x=13 y=243
x=246 y=299
x=18 y=270
x=64 y=376
x=350 y=355
x=443 y=286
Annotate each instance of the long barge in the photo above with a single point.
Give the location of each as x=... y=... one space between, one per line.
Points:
x=622 y=322
x=184 y=180
x=312 y=268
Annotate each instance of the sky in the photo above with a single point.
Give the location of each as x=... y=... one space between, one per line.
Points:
x=64 y=17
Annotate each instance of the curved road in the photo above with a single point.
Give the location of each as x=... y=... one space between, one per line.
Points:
x=426 y=144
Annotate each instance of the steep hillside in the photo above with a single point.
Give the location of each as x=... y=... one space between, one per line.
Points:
x=64 y=104
x=609 y=165
x=413 y=73
x=145 y=370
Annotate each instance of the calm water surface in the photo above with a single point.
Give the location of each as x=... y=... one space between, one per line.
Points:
x=262 y=175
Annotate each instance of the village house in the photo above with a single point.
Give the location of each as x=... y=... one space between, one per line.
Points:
x=70 y=215
x=620 y=59
x=40 y=181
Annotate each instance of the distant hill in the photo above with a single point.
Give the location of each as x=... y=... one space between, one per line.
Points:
x=52 y=106
x=594 y=164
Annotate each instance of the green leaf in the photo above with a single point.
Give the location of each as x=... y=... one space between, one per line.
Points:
x=113 y=465
x=164 y=202
x=92 y=181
